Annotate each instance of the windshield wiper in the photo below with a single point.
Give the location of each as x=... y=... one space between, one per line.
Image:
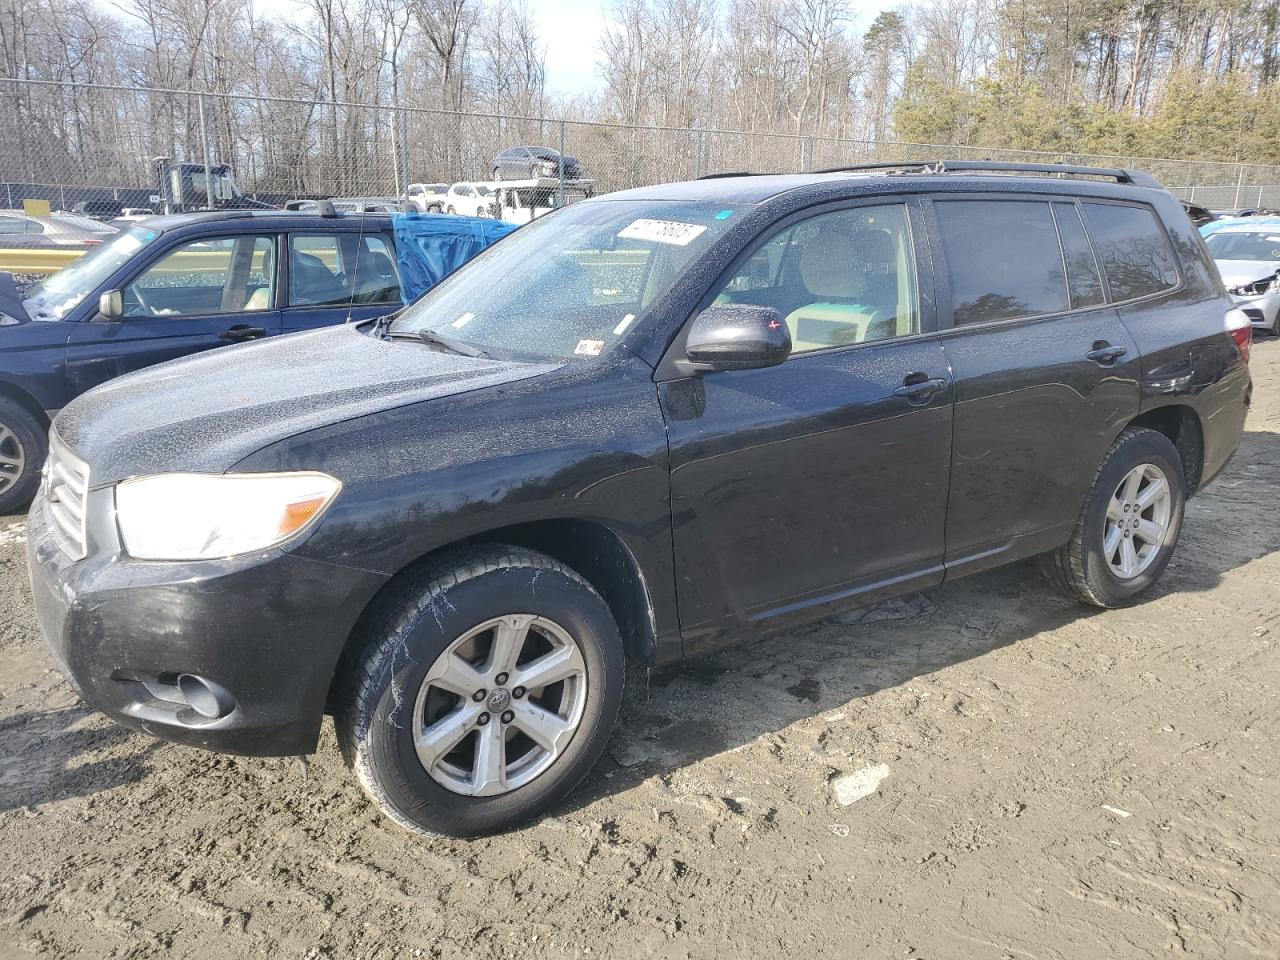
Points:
x=439 y=340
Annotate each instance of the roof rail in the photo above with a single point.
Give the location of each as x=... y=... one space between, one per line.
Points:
x=1120 y=175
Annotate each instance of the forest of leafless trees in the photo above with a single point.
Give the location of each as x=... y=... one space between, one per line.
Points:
x=309 y=85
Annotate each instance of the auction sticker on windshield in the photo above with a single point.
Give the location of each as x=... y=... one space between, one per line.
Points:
x=662 y=231
x=588 y=348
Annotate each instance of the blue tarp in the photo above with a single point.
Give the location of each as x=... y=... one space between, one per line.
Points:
x=430 y=246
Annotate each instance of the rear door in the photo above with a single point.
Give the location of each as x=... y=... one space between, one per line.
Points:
x=1045 y=373
x=198 y=295
x=339 y=275
x=825 y=477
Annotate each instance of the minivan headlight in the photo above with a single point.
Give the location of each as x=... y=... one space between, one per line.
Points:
x=200 y=516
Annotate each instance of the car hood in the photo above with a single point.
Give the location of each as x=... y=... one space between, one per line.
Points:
x=206 y=413
x=1236 y=273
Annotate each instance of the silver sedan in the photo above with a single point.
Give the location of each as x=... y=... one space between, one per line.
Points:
x=1248 y=257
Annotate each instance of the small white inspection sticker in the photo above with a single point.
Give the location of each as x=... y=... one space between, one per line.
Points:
x=588 y=348
x=662 y=231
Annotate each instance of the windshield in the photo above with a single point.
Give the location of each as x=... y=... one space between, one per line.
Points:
x=1245 y=246
x=59 y=293
x=224 y=187
x=571 y=283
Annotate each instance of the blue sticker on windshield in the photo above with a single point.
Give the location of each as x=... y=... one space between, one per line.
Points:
x=151 y=235
x=724 y=214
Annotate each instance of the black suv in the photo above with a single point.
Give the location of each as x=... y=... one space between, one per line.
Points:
x=642 y=426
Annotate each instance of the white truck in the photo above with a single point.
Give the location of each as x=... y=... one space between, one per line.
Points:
x=520 y=201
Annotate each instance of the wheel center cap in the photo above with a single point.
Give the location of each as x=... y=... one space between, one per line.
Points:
x=499 y=700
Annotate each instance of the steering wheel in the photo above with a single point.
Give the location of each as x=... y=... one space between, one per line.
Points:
x=136 y=291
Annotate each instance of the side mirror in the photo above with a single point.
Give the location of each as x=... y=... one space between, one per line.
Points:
x=111 y=305
x=738 y=336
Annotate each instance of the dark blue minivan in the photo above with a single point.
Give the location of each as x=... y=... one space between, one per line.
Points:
x=171 y=286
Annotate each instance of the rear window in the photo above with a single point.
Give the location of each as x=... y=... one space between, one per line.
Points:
x=1003 y=259
x=1133 y=249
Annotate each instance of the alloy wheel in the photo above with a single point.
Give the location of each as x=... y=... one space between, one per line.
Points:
x=500 y=705
x=13 y=458
x=1137 y=521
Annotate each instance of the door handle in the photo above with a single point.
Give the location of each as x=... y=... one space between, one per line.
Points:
x=919 y=387
x=1104 y=353
x=241 y=332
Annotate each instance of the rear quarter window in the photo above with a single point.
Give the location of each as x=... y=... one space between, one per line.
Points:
x=1133 y=249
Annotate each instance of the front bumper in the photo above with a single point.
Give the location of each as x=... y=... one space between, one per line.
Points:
x=1261 y=311
x=265 y=630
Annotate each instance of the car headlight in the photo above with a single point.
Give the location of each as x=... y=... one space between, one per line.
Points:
x=1255 y=289
x=199 y=516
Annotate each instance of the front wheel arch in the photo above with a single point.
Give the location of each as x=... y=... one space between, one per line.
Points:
x=590 y=549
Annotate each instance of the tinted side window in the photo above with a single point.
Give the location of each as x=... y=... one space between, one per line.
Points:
x=837 y=278
x=1133 y=249
x=1003 y=259
x=1083 y=279
x=336 y=269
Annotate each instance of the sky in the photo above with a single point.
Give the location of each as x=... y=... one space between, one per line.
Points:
x=571 y=30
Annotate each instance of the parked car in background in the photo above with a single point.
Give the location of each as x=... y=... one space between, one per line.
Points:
x=173 y=286
x=643 y=426
x=471 y=200
x=1248 y=257
x=19 y=229
x=353 y=205
x=428 y=197
x=524 y=163
x=134 y=214
x=1199 y=215
x=98 y=209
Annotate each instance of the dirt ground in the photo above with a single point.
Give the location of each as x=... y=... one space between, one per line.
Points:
x=1049 y=782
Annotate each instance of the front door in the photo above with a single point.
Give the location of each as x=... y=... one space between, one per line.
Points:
x=1046 y=374
x=824 y=478
x=202 y=294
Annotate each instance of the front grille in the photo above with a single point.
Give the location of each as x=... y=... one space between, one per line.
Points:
x=66 y=487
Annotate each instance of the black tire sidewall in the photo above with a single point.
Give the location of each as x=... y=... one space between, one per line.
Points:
x=1145 y=447
x=389 y=738
x=35 y=447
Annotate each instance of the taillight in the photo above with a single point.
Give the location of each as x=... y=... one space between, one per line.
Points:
x=1241 y=330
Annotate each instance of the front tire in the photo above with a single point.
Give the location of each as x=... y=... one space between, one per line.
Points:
x=484 y=691
x=1129 y=526
x=23 y=448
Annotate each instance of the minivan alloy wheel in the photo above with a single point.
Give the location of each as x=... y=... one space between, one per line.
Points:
x=1137 y=521
x=500 y=705
x=13 y=458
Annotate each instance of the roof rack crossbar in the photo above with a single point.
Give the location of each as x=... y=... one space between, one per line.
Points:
x=1120 y=175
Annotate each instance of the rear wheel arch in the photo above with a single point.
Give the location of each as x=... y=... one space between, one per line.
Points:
x=1181 y=424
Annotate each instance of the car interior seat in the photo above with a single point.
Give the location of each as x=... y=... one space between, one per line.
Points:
x=374 y=277
x=311 y=282
x=853 y=278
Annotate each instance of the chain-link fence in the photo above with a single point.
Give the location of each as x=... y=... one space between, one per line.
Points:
x=69 y=143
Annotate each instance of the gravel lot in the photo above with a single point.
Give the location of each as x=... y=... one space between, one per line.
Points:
x=1048 y=782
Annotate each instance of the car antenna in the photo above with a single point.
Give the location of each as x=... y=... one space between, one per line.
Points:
x=355 y=273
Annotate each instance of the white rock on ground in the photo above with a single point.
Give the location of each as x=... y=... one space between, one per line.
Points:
x=849 y=788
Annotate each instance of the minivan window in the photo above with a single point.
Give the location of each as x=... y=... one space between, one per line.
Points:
x=1083 y=279
x=1003 y=259
x=837 y=279
x=1134 y=251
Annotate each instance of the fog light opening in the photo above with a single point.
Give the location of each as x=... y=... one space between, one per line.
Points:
x=204 y=696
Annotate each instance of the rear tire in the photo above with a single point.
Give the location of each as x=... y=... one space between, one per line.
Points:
x=1109 y=560
x=410 y=724
x=23 y=449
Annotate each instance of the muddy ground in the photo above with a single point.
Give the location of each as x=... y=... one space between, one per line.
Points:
x=1053 y=782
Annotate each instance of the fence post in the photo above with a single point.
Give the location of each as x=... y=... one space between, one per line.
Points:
x=560 y=169
x=1239 y=185
x=204 y=145
x=404 y=151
